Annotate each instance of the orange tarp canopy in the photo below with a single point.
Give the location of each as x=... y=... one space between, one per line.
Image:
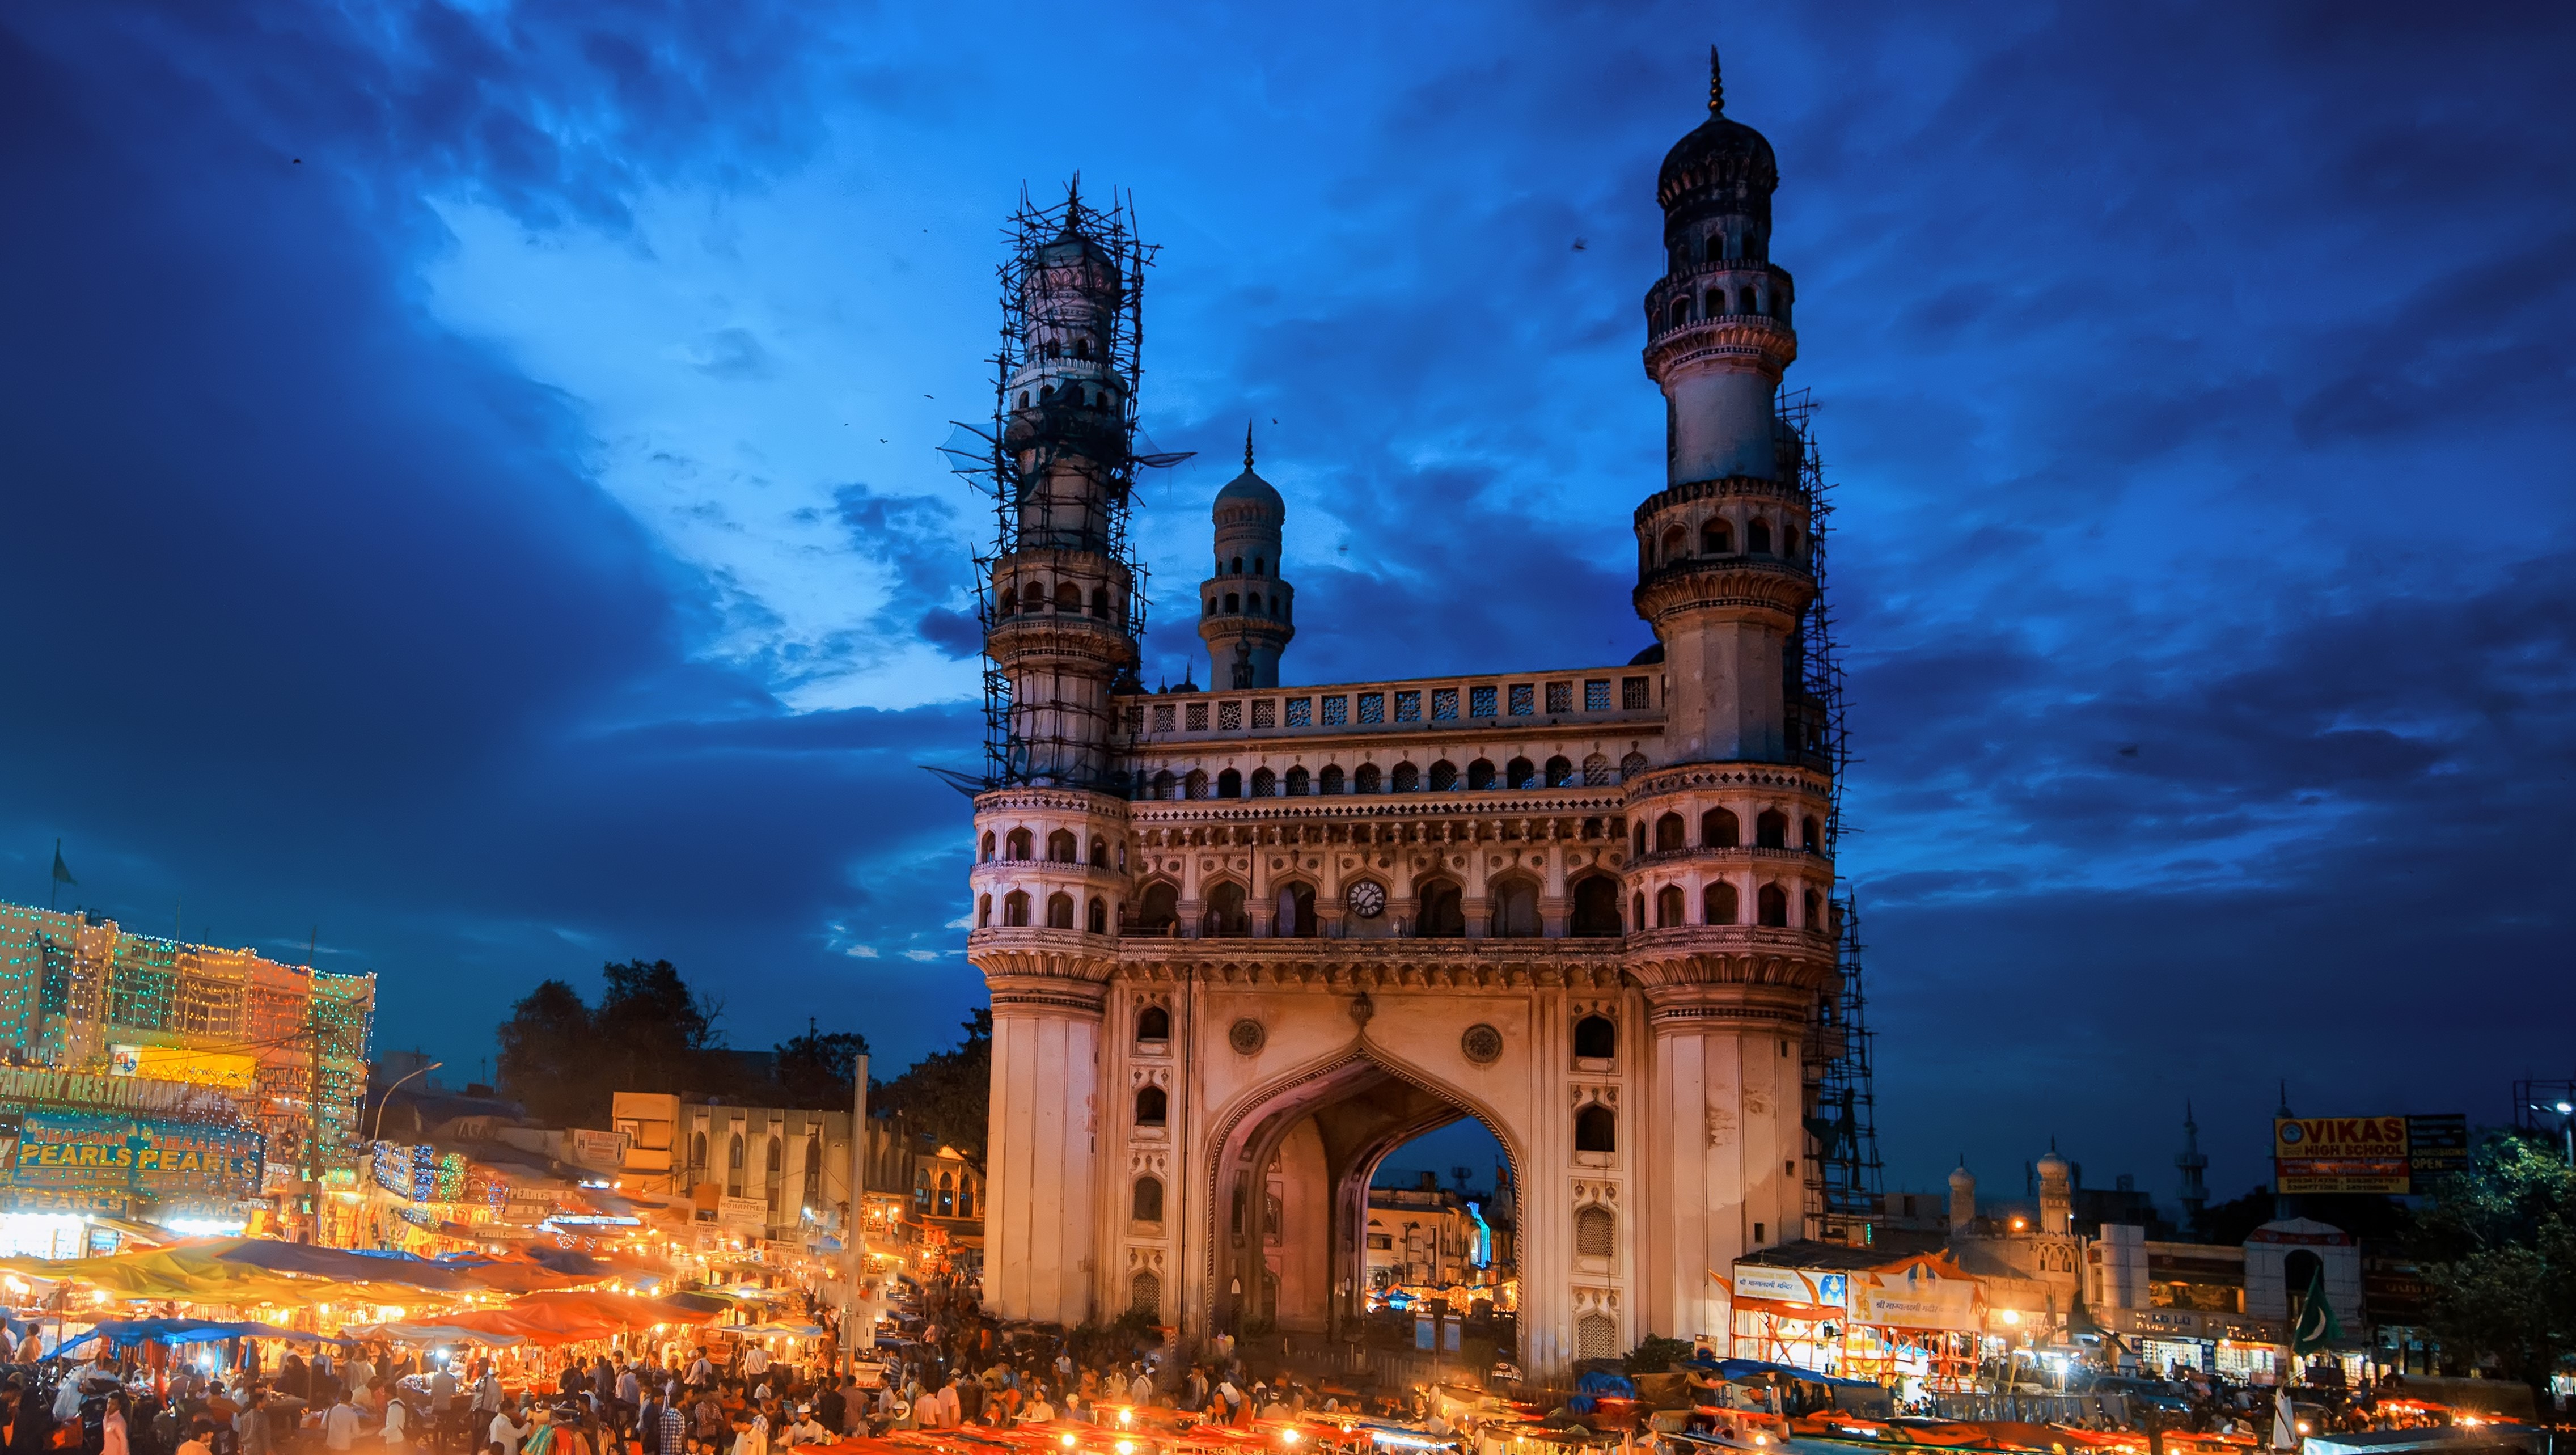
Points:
x=567 y=1316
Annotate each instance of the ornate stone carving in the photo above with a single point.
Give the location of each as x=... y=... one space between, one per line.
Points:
x=1482 y=1044
x=1246 y=1036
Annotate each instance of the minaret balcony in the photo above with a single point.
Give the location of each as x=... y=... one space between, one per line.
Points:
x=1735 y=339
x=1063 y=637
x=1756 y=583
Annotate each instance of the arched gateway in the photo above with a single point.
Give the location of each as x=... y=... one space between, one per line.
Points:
x=1279 y=931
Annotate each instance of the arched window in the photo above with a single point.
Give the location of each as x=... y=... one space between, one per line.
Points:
x=1161 y=907
x=1406 y=779
x=1757 y=536
x=966 y=1196
x=1211 y=607
x=1150 y=1104
x=1153 y=1023
x=984 y=913
x=1100 y=602
x=985 y=850
x=1596 y=1129
x=777 y=1158
x=1293 y=918
x=1444 y=776
x=1631 y=765
x=1252 y=603
x=1099 y=852
x=1560 y=772
x=1637 y=908
x=1640 y=846
x=1811 y=835
x=1033 y=596
x=1019 y=846
x=1519 y=774
x=1773 y=905
x=1082 y=348
x=1480 y=774
x=1717 y=904
x=1063 y=847
x=1196 y=785
x=1596 y=1232
x=1097 y=919
x=1596 y=907
x=1225 y=917
x=1718 y=830
x=1744 y=301
x=1229 y=784
x=1596 y=1336
x=1233 y=603
x=1771 y=830
x=1265 y=784
x=1443 y=915
x=1668 y=833
x=1596 y=771
x=947 y=1195
x=1299 y=784
x=1024 y=399
x=1676 y=544
x=1015 y=910
x=1331 y=781
x=1145 y=1292
x=697 y=1149
x=1597 y=1037
x=1256 y=567
x=1165 y=785
x=1716 y=302
x=1046 y=392
x=1238 y=565
x=1068 y=598
x=1668 y=907
x=733 y=1166
x=1364 y=779
x=1715 y=539
x=1680 y=313
x=1788 y=539
x=1147 y=1205
x=1059 y=911
x=1516 y=910
x=1811 y=908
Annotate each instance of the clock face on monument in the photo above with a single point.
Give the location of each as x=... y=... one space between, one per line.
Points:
x=1368 y=900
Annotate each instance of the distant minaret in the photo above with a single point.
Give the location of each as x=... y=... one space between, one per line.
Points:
x=1248 y=607
x=2192 y=1163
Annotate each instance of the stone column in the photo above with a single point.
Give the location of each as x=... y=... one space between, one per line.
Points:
x=1041 y=1194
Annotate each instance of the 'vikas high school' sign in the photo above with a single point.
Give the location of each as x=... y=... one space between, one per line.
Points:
x=2365 y=1154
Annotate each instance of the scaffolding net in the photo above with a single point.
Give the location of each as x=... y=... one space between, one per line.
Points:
x=1058 y=460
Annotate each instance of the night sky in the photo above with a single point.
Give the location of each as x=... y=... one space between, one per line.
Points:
x=471 y=489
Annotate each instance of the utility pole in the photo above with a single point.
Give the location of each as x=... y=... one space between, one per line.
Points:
x=312 y=1094
x=858 y=1309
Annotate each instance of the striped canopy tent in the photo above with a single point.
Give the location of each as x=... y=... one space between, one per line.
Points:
x=571 y=1316
x=249 y=1272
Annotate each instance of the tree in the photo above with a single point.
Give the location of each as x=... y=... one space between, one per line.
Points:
x=2501 y=1244
x=654 y=1031
x=545 y=1047
x=819 y=1069
x=949 y=1094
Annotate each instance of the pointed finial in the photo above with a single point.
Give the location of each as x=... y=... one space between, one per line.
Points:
x=1073 y=190
x=1716 y=87
x=1247 y=444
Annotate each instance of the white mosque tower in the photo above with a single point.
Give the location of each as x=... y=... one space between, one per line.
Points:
x=1246 y=607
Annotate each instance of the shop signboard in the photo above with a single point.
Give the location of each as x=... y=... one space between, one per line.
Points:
x=229 y=1070
x=2380 y=1154
x=1914 y=1303
x=408 y=1171
x=1812 y=1287
x=598 y=1149
x=103 y=1152
x=743 y=1212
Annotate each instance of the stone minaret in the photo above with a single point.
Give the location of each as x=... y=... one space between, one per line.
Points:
x=1731 y=937
x=1051 y=858
x=1246 y=608
x=2193 y=1164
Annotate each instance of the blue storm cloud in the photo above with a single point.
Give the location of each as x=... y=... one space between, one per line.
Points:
x=471 y=487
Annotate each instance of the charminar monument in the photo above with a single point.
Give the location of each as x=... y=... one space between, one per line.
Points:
x=1243 y=942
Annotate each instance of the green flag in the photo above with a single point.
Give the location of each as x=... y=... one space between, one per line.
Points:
x=62 y=872
x=2317 y=1325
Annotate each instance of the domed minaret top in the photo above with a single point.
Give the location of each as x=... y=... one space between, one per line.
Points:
x=1246 y=608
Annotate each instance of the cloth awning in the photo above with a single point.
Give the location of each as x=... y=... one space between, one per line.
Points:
x=569 y=1316
x=424 y=1335
x=125 y=1333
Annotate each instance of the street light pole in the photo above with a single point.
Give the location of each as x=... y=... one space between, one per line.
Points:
x=379 y=1134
